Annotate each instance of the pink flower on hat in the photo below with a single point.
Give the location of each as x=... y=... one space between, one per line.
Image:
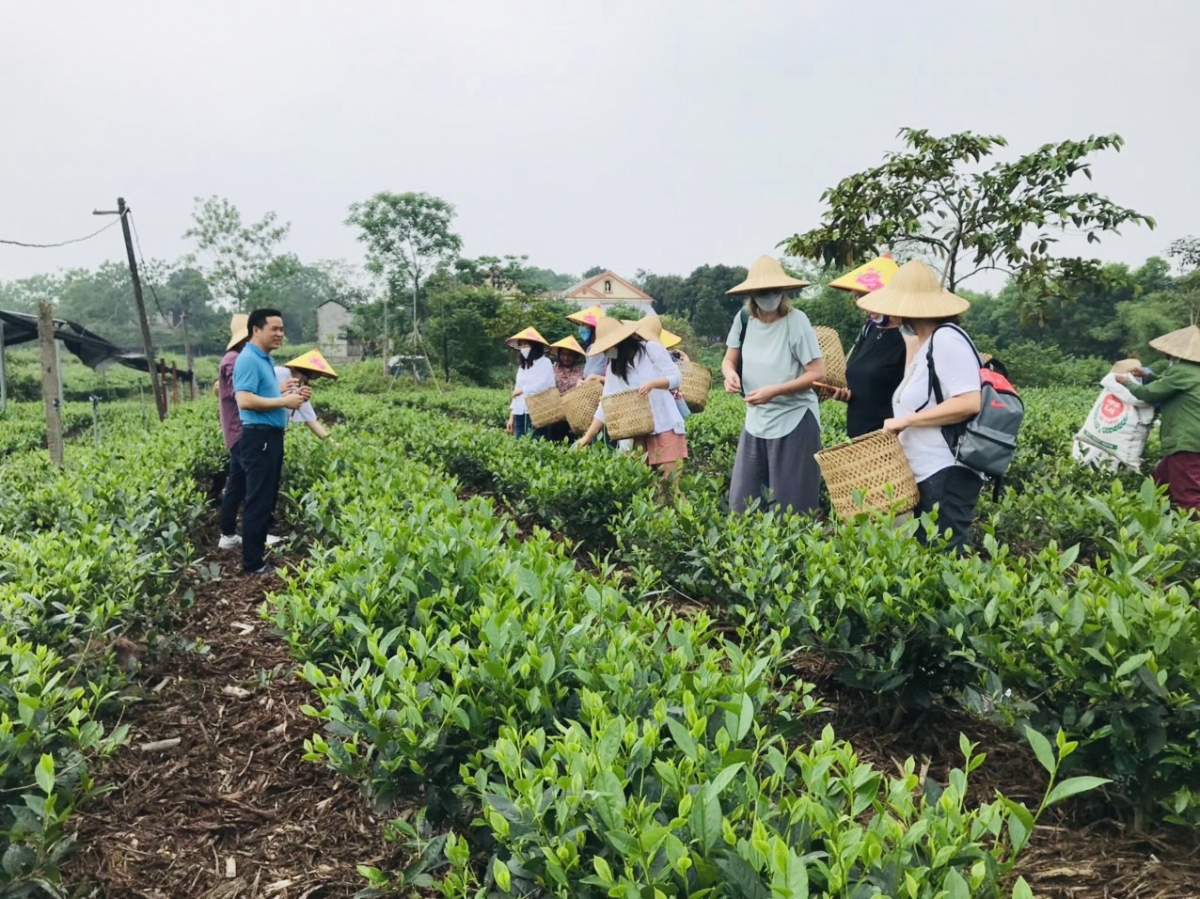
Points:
x=870 y=279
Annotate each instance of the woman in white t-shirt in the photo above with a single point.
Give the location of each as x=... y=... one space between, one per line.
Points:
x=635 y=363
x=535 y=374
x=925 y=409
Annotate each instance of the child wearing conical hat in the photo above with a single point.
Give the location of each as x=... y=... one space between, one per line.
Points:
x=300 y=372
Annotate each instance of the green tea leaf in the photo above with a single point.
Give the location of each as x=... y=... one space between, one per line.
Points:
x=1041 y=749
x=1133 y=663
x=705 y=821
x=1072 y=786
x=45 y=773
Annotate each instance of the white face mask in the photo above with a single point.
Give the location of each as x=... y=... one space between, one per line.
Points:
x=610 y=353
x=524 y=351
x=769 y=302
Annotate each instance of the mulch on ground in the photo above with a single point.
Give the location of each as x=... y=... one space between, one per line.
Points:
x=1078 y=850
x=232 y=810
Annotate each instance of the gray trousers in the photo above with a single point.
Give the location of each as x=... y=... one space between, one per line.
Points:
x=780 y=472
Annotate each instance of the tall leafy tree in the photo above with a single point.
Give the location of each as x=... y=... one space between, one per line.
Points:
x=944 y=198
x=235 y=255
x=1187 y=251
x=407 y=237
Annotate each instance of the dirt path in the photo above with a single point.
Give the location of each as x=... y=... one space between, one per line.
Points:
x=233 y=810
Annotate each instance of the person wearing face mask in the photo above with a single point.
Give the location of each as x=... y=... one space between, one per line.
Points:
x=940 y=392
x=773 y=360
x=534 y=375
x=1177 y=393
x=879 y=356
x=594 y=367
x=635 y=363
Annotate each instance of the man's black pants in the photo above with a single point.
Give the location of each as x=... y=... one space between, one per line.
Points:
x=261 y=454
x=235 y=492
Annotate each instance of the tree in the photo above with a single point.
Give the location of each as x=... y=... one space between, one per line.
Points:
x=1187 y=251
x=407 y=236
x=593 y=271
x=623 y=311
x=25 y=294
x=297 y=289
x=238 y=254
x=709 y=320
x=509 y=274
x=938 y=199
x=669 y=292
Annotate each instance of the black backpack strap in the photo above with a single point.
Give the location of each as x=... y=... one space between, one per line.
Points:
x=744 y=318
x=935 y=386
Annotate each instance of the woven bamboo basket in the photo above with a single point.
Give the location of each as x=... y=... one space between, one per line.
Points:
x=545 y=408
x=873 y=464
x=580 y=405
x=697 y=382
x=627 y=415
x=835 y=359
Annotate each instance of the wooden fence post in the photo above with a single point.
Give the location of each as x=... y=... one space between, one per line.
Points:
x=50 y=383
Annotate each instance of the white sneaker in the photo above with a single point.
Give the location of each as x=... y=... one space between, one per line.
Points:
x=232 y=542
x=272 y=540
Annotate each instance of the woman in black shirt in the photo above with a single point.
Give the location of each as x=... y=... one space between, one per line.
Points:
x=879 y=358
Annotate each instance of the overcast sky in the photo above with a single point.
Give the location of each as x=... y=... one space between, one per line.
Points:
x=643 y=134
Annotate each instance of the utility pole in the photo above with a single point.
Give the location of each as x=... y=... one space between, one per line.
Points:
x=160 y=396
x=51 y=385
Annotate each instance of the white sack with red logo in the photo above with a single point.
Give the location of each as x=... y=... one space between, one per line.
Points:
x=1116 y=429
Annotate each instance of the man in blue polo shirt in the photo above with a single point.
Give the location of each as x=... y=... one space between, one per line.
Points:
x=263 y=409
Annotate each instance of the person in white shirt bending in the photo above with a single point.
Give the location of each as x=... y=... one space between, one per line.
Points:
x=635 y=363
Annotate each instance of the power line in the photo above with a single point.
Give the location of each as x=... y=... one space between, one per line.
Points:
x=46 y=246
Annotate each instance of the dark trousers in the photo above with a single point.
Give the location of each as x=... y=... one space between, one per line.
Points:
x=235 y=492
x=955 y=491
x=523 y=425
x=261 y=453
x=780 y=473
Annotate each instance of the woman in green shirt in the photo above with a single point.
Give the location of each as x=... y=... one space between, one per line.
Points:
x=1177 y=394
x=773 y=360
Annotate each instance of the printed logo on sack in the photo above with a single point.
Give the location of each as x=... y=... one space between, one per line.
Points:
x=1112 y=414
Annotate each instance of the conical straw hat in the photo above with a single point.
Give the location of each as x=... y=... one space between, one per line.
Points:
x=529 y=335
x=1182 y=344
x=870 y=276
x=567 y=343
x=239 y=330
x=588 y=316
x=670 y=338
x=914 y=292
x=650 y=328
x=767 y=274
x=1126 y=366
x=314 y=363
x=610 y=332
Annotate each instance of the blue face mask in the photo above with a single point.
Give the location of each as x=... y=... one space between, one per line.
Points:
x=907 y=331
x=584 y=333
